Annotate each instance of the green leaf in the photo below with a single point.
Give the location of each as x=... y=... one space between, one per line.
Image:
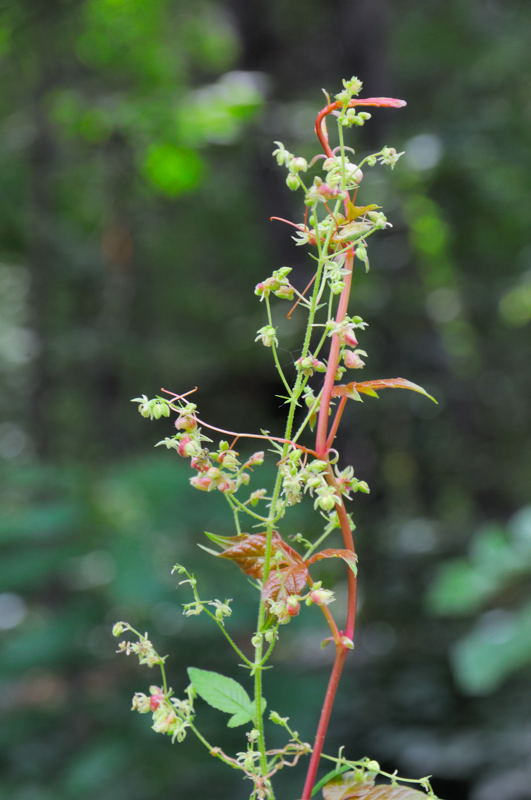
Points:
x=223 y=693
x=497 y=647
x=172 y=170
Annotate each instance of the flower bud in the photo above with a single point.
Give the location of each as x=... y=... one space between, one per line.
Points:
x=285 y=291
x=293 y=182
x=157 y=697
x=298 y=164
x=293 y=606
x=186 y=447
x=140 y=703
x=119 y=627
x=202 y=482
x=256 y=459
x=349 y=338
x=321 y=597
x=352 y=359
x=267 y=335
x=186 y=422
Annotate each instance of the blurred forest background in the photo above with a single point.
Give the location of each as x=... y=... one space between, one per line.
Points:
x=137 y=183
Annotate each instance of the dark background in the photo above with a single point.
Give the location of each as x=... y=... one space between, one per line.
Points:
x=137 y=182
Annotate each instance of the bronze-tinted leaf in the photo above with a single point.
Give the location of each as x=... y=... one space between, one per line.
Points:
x=370 y=387
x=283 y=581
x=248 y=551
x=348 y=787
x=348 y=556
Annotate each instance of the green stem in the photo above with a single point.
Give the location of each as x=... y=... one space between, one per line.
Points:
x=273 y=517
x=274 y=350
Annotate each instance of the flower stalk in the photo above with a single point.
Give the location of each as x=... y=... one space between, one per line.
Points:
x=338 y=231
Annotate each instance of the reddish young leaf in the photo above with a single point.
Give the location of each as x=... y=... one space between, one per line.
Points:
x=248 y=551
x=285 y=581
x=348 y=557
x=370 y=387
x=347 y=787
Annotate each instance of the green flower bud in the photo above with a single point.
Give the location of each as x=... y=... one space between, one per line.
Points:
x=119 y=627
x=298 y=164
x=293 y=182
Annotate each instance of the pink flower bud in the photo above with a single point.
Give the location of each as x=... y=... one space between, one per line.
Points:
x=156 y=698
x=200 y=463
x=349 y=338
x=183 y=448
x=353 y=360
x=202 y=482
x=186 y=422
x=328 y=192
x=226 y=485
x=293 y=606
x=256 y=458
x=321 y=597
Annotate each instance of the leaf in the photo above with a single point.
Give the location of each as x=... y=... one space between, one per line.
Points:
x=497 y=647
x=353 y=212
x=348 y=557
x=248 y=551
x=348 y=787
x=223 y=693
x=285 y=581
x=369 y=387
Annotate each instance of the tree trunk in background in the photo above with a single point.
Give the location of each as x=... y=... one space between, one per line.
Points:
x=114 y=323
x=42 y=252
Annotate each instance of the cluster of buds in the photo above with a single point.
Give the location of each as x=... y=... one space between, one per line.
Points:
x=278 y=284
x=219 y=470
x=378 y=220
x=345 y=329
x=351 y=88
x=310 y=478
x=349 y=117
x=322 y=192
x=222 y=470
x=142 y=648
x=342 y=172
x=295 y=165
x=347 y=482
x=170 y=715
x=335 y=274
x=309 y=364
x=284 y=610
x=152 y=409
x=387 y=156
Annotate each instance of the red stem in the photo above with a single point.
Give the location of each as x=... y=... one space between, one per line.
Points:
x=337 y=420
x=333 y=362
x=324 y=440
x=324 y=720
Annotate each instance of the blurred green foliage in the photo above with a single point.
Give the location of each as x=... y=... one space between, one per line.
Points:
x=498 y=569
x=137 y=181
